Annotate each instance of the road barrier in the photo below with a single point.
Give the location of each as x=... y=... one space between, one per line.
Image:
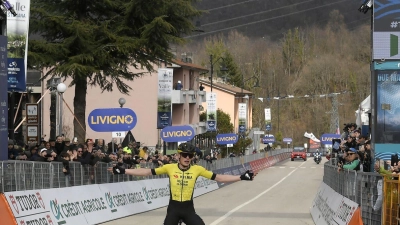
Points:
x=40 y=195
x=359 y=187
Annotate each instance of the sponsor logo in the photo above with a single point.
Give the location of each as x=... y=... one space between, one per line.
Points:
x=176 y=176
x=22 y=203
x=13 y=203
x=38 y=221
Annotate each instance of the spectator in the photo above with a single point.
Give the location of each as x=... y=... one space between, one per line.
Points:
x=59 y=145
x=12 y=152
x=129 y=148
x=34 y=153
x=178 y=86
x=201 y=88
x=67 y=143
x=52 y=143
x=351 y=161
x=199 y=153
x=110 y=148
x=143 y=153
x=100 y=145
x=65 y=158
x=45 y=156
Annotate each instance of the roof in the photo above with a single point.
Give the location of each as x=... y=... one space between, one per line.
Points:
x=226 y=87
x=188 y=65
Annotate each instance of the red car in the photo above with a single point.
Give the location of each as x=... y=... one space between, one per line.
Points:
x=298 y=153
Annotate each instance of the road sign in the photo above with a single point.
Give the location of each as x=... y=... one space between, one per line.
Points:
x=229 y=145
x=32 y=114
x=268 y=127
x=118 y=134
x=32 y=131
x=259 y=132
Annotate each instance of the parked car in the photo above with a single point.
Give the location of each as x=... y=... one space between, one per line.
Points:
x=298 y=153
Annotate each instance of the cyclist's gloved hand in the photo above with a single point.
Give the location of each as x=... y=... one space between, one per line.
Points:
x=118 y=170
x=247 y=176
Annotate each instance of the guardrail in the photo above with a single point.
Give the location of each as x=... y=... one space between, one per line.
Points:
x=18 y=175
x=359 y=187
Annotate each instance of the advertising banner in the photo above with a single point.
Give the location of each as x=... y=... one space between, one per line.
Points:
x=112 y=119
x=326 y=139
x=386 y=30
x=203 y=186
x=268 y=123
x=387 y=111
x=16 y=75
x=3 y=98
x=224 y=139
x=287 y=140
x=329 y=206
x=268 y=139
x=177 y=133
x=164 y=100
x=242 y=117
x=211 y=99
x=17 y=32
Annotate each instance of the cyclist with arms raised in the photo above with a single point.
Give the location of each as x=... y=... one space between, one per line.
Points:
x=182 y=178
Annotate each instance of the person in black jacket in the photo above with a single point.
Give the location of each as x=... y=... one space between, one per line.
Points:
x=66 y=170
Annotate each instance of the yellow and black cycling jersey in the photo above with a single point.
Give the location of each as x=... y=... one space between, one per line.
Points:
x=182 y=182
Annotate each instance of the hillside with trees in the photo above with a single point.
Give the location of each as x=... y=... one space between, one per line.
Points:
x=310 y=61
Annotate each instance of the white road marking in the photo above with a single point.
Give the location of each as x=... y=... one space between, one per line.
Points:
x=253 y=199
x=272 y=167
x=282 y=167
x=302 y=167
x=292 y=167
x=313 y=167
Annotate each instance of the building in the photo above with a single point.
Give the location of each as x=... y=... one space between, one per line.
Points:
x=228 y=99
x=142 y=99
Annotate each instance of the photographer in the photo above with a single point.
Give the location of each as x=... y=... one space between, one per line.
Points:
x=348 y=128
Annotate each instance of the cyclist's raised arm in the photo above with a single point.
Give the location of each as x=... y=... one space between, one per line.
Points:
x=224 y=178
x=134 y=172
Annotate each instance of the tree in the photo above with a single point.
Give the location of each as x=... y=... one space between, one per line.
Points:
x=95 y=42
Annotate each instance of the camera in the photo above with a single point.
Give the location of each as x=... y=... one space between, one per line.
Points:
x=365 y=6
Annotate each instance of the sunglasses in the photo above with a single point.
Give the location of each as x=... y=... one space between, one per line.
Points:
x=350 y=153
x=185 y=155
x=79 y=151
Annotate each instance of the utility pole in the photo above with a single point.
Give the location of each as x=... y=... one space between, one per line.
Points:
x=334 y=114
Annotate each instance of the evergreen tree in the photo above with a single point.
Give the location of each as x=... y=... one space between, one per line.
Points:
x=96 y=42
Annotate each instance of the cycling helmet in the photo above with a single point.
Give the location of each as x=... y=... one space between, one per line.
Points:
x=186 y=147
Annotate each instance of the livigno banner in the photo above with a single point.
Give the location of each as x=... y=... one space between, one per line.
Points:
x=242 y=117
x=268 y=125
x=164 y=106
x=17 y=32
x=211 y=99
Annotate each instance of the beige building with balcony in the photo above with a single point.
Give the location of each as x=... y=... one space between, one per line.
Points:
x=228 y=99
x=142 y=99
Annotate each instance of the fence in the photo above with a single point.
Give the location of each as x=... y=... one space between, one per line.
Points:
x=26 y=175
x=359 y=187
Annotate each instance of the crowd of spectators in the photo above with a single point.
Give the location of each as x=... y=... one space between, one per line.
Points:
x=91 y=152
x=353 y=150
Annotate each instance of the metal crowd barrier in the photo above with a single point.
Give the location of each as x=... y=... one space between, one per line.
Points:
x=359 y=187
x=18 y=175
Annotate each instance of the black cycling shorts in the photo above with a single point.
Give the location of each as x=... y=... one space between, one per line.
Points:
x=182 y=211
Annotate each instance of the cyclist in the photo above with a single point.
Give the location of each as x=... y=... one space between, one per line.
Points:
x=182 y=179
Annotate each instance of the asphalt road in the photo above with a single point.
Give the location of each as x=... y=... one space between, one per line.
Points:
x=279 y=195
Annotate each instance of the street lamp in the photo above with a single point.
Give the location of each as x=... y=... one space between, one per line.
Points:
x=223 y=69
x=56 y=106
x=121 y=102
x=61 y=88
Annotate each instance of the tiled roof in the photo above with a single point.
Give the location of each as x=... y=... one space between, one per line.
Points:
x=189 y=65
x=226 y=87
